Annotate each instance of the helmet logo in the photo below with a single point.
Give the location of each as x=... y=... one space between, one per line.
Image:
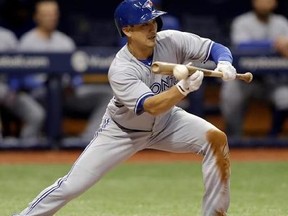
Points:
x=148 y=4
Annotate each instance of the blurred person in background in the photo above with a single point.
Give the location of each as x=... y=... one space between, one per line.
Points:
x=46 y=38
x=19 y=104
x=265 y=30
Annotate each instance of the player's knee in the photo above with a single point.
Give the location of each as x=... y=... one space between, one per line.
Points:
x=37 y=117
x=220 y=150
x=217 y=138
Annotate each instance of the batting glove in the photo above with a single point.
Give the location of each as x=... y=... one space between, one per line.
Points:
x=229 y=72
x=191 y=83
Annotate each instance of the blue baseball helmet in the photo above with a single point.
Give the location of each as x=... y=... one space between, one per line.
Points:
x=134 y=12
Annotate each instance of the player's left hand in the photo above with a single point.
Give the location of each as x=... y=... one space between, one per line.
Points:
x=229 y=72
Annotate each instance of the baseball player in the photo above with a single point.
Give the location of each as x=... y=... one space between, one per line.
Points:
x=143 y=112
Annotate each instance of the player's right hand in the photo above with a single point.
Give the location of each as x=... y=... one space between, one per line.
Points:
x=191 y=83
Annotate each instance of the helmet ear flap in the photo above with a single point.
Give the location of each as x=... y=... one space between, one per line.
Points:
x=159 y=23
x=119 y=28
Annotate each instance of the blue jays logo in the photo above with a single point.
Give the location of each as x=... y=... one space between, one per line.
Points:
x=157 y=87
x=148 y=4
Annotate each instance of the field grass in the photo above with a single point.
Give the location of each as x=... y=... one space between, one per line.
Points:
x=170 y=189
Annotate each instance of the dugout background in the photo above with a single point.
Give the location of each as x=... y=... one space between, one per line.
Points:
x=90 y=23
x=16 y=15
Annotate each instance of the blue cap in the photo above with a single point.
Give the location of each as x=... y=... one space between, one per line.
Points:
x=134 y=12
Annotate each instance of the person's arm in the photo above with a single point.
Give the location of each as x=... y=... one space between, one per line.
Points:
x=219 y=53
x=281 y=45
x=222 y=56
x=164 y=101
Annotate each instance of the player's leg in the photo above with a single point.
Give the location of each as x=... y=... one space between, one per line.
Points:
x=31 y=112
x=24 y=107
x=103 y=93
x=280 y=108
x=188 y=133
x=102 y=154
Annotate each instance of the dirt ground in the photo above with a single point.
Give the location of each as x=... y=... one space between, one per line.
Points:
x=69 y=156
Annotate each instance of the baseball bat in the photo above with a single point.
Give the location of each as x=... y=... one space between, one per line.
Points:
x=166 y=68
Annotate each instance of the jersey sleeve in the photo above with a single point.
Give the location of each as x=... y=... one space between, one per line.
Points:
x=190 y=46
x=129 y=89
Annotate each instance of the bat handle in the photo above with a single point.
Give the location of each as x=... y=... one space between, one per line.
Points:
x=247 y=77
